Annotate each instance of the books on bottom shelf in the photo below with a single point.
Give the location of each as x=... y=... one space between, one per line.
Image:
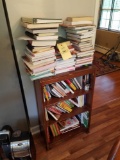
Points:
x=64 y=126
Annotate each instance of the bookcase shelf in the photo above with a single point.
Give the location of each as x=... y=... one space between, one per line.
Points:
x=44 y=124
x=55 y=100
x=74 y=112
x=64 y=137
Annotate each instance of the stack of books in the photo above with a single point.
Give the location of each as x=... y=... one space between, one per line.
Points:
x=65 y=65
x=69 y=124
x=81 y=36
x=41 y=35
x=64 y=126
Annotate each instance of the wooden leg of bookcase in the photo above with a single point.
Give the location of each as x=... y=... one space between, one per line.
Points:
x=47 y=147
x=88 y=130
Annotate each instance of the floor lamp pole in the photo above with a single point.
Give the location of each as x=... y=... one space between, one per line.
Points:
x=16 y=62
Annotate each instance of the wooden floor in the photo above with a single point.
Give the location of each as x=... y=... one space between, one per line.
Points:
x=105 y=126
x=107 y=87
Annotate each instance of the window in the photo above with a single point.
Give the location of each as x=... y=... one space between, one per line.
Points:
x=110 y=15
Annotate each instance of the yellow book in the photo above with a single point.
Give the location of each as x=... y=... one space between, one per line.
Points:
x=65 y=106
x=64 y=51
x=46 y=94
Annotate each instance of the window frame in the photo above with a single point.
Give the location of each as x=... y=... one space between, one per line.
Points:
x=110 y=20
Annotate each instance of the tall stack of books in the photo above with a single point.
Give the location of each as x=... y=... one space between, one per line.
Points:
x=81 y=32
x=41 y=35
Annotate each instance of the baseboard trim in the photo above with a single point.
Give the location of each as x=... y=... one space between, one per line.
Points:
x=35 y=130
x=101 y=49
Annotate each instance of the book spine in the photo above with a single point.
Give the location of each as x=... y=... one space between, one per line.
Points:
x=58 y=85
x=60 y=109
x=67 y=87
x=56 y=93
x=65 y=106
x=46 y=115
x=63 y=109
x=54 y=110
x=58 y=90
x=45 y=93
x=76 y=104
x=73 y=81
x=52 y=115
x=55 y=130
x=64 y=87
x=78 y=83
x=70 y=84
x=52 y=130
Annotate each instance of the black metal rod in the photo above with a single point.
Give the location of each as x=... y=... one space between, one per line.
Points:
x=16 y=63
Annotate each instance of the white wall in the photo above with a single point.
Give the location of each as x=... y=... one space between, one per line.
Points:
x=41 y=8
x=11 y=104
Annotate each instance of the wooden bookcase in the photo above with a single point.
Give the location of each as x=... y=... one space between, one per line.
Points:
x=39 y=84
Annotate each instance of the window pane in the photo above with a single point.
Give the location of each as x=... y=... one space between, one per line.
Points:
x=107 y=4
x=116 y=15
x=104 y=23
x=117 y=4
x=105 y=14
x=115 y=25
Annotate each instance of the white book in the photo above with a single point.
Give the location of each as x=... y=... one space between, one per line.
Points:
x=71 y=122
x=78 y=83
x=58 y=85
x=33 y=59
x=73 y=102
x=37 y=20
x=76 y=31
x=77 y=22
x=46 y=115
x=64 y=70
x=39 y=25
x=56 y=93
x=36 y=31
x=84 y=63
x=67 y=87
x=55 y=37
x=83 y=27
x=79 y=40
x=41 y=54
x=85 y=55
x=52 y=115
x=79 y=36
x=80 y=100
x=65 y=66
x=44 y=61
